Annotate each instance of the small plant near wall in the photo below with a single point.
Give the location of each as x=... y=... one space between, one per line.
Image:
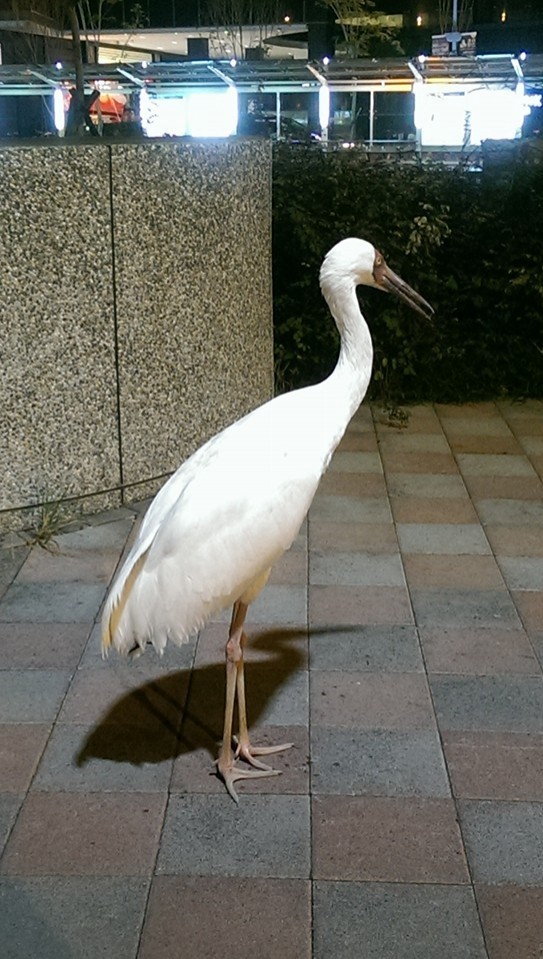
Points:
x=47 y=519
x=471 y=242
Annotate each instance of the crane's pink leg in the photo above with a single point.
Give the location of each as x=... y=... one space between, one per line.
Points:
x=244 y=747
x=225 y=762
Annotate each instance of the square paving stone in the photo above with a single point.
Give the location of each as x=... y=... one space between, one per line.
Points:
x=363 y=700
x=485 y=608
x=57 y=918
x=489 y=703
x=480 y=652
x=488 y=464
x=210 y=917
x=506 y=766
x=9 y=807
x=389 y=921
x=265 y=836
x=504 y=487
x=99 y=535
x=510 y=512
x=11 y=561
x=356 y=485
x=384 y=839
x=359 y=606
x=415 y=509
x=111 y=758
x=513 y=921
x=283 y=648
x=372 y=648
x=21 y=746
x=51 y=603
x=442 y=538
x=504 y=841
x=414 y=442
x=71 y=834
x=350 y=462
x=42 y=645
x=69 y=565
x=377 y=763
x=355 y=569
x=418 y=462
x=515 y=540
x=424 y=571
x=530 y=608
x=474 y=444
x=284 y=605
x=426 y=485
x=522 y=572
x=31 y=695
x=347 y=509
x=358 y=537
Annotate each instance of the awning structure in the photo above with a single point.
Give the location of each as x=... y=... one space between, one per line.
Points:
x=175 y=78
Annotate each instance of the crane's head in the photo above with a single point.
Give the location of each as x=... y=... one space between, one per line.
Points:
x=358 y=261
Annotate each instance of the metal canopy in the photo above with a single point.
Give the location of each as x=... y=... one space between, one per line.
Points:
x=170 y=78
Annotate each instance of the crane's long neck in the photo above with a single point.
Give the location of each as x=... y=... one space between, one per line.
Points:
x=349 y=381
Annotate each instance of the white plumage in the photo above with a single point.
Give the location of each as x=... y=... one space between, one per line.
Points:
x=214 y=530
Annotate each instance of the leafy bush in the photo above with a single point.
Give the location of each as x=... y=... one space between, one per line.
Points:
x=470 y=243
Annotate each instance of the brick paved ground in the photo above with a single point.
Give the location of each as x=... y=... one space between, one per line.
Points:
x=399 y=645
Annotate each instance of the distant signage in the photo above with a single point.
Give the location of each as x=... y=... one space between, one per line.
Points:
x=460 y=44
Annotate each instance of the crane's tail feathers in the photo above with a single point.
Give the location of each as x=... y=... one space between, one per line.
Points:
x=116 y=605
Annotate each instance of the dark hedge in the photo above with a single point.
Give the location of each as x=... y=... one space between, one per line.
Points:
x=471 y=243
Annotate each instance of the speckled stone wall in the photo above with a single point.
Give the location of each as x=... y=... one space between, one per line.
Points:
x=58 y=432
x=135 y=311
x=193 y=280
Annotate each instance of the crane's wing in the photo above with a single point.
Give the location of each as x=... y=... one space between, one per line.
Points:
x=216 y=526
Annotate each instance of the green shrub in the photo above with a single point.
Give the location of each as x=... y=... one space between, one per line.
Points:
x=470 y=243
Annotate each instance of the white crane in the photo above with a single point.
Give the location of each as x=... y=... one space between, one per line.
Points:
x=213 y=532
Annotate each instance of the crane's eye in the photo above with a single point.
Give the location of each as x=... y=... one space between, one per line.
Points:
x=378 y=260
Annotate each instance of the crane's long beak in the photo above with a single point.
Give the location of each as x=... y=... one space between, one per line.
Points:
x=389 y=281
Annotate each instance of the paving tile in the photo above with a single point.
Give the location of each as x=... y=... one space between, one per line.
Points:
x=426 y=485
x=259 y=917
x=362 y=700
x=531 y=444
x=464 y=608
x=284 y=605
x=512 y=918
x=537 y=643
x=504 y=487
x=71 y=834
x=11 y=561
x=479 y=652
x=266 y=836
x=488 y=464
x=195 y=771
x=147 y=665
x=347 y=509
x=57 y=918
x=359 y=606
x=112 y=759
x=452 y=571
x=484 y=445
x=110 y=697
x=377 y=762
x=388 y=921
x=358 y=537
x=515 y=540
x=31 y=695
x=490 y=703
x=69 y=565
x=510 y=512
x=356 y=463
x=51 y=603
x=530 y=608
x=21 y=746
x=504 y=841
x=387 y=839
x=42 y=645
x=391 y=648
x=522 y=572
x=419 y=462
x=9 y=807
x=355 y=485
x=408 y=442
x=495 y=765
x=99 y=535
x=355 y=569
x=442 y=538
x=444 y=510
x=354 y=441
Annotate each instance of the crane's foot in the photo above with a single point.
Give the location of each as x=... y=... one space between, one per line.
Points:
x=248 y=752
x=230 y=773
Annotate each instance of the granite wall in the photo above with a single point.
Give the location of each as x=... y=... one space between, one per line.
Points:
x=135 y=312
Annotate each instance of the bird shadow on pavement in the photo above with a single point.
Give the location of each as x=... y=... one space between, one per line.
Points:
x=182 y=711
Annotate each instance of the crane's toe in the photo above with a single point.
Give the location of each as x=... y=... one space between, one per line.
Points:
x=230 y=773
x=249 y=752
